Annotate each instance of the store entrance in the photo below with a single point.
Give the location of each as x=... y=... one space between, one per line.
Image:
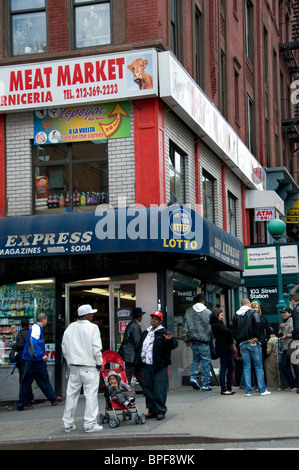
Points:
x=108 y=298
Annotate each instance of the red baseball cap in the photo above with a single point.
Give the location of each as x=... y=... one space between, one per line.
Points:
x=157 y=314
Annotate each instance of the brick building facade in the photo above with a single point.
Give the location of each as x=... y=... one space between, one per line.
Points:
x=202 y=135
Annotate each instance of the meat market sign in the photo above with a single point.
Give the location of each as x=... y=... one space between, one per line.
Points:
x=78 y=81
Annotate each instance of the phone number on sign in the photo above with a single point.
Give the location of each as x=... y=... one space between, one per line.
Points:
x=91 y=91
x=96 y=90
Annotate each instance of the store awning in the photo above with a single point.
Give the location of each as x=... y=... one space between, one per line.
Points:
x=172 y=229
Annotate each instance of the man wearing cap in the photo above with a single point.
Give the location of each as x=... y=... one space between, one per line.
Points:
x=82 y=349
x=286 y=331
x=129 y=346
x=154 y=354
x=196 y=332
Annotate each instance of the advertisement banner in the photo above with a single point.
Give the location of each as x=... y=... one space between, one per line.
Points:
x=80 y=80
x=262 y=261
x=82 y=123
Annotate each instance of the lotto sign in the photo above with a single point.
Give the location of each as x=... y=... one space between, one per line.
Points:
x=123 y=325
x=264 y=215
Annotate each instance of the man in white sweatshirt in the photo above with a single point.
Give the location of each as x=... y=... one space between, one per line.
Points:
x=82 y=349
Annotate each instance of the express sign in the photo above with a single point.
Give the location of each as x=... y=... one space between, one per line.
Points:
x=79 y=80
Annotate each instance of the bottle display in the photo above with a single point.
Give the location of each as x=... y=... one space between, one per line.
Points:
x=17 y=303
x=80 y=199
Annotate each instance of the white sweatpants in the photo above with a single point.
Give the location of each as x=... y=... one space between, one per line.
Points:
x=89 y=377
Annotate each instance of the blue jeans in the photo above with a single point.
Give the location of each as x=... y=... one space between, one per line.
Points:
x=254 y=352
x=201 y=353
x=34 y=371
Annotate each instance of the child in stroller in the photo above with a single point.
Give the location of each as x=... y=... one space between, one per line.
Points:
x=120 y=390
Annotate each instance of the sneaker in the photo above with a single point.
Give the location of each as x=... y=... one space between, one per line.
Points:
x=248 y=394
x=207 y=388
x=94 y=428
x=265 y=393
x=150 y=415
x=70 y=428
x=194 y=384
x=160 y=416
x=132 y=400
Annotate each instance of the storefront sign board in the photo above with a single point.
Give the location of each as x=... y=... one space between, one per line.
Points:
x=92 y=122
x=80 y=80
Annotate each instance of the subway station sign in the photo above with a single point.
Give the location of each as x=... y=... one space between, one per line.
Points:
x=109 y=77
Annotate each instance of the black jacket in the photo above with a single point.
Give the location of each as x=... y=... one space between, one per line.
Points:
x=223 y=337
x=129 y=345
x=295 y=316
x=247 y=326
x=162 y=348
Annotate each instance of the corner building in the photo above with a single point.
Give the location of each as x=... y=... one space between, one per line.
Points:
x=124 y=182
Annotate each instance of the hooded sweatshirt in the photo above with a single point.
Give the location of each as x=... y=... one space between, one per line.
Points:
x=246 y=324
x=196 y=325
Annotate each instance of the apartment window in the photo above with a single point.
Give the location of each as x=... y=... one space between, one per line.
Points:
x=92 y=24
x=198 y=44
x=28 y=27
x=232 y=214
x=223 y=90
x=70 y=177
x=250 y=124
x=266 y=56
x=249 y=29
x=175 y=27
x=176 y=174
x=208 y=201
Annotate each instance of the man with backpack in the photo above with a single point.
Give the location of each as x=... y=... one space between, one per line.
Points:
x=246 y=331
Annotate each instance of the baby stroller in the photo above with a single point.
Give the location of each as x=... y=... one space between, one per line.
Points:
x=112 y=357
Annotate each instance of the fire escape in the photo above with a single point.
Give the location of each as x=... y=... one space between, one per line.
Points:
x=290 y=53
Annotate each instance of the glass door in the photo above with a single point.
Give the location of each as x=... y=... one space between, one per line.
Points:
x=114 y=302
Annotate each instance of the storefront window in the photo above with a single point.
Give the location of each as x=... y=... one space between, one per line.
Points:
x=26 y=300
x=92 y=23
x=78 y=182
x=184 y=290
x=28 y=26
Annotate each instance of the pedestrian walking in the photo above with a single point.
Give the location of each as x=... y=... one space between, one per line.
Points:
x=246 y=331
x=129 y=346
x=223 y=344
x=18 y=347
x=196 y=332
x=35 y=366
x=82 y=349
x=154 y=354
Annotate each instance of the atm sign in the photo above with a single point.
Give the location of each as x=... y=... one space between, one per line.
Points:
x=264 y=215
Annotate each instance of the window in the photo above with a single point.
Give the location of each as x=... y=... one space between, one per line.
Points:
x=208 y=204
x=28 y=26
x=176 y=175
x=70 y=177
x=222 y=85
x=250 y=121
x=232 y=214
x=175 y=27
x=248 y=30
x=92 y=26
x=198 y=43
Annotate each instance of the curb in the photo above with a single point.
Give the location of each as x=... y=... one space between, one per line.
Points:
x=107 y=443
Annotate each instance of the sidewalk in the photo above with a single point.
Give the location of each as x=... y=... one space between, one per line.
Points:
x=193 y=416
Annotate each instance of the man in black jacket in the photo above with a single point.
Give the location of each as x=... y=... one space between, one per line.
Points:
x=19 y=346
x=246 y=331
x=129 y=347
